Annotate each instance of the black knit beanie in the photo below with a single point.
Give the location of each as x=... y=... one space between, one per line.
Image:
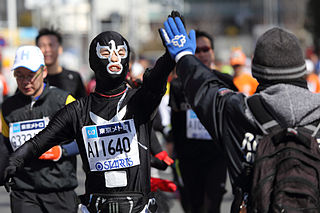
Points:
x=278 y=57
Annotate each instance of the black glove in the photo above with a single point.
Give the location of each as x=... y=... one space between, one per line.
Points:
x=24 y=154
x=10 y=171
x=174 y=14
x=158 y=164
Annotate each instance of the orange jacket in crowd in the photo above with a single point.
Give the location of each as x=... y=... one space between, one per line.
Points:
x=313 y=82
x=245 y=83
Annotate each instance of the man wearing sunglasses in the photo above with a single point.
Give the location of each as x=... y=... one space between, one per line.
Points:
x=47 y=184
x=205 y=53
x=205 y=49
x=194 y=147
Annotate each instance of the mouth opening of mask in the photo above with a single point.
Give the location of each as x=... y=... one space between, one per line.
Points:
x=114 y=68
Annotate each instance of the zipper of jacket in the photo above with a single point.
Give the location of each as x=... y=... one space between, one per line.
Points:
x=33 y=101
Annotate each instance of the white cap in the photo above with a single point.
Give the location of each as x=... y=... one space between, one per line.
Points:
x=29 y=57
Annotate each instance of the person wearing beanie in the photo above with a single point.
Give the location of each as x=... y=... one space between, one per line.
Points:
x=279 y=67
x=112 y=128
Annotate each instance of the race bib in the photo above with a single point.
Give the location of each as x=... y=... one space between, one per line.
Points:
x=111 y=146
x=20 y=132
x=195 y=130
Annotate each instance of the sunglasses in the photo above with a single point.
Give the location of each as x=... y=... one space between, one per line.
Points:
x=202 y=49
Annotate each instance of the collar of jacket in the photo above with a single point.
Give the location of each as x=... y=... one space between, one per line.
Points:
x=40 y=97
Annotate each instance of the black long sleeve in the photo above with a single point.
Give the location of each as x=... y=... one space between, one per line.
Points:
x=155 y=79
x=5 y=153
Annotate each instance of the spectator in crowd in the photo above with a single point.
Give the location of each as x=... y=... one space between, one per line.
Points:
x=205 y=49
x=242 y=79
x=4 y=90
x=50 y=43
x=311 y=77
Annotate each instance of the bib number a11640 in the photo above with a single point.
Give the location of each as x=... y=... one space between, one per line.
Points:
x=111 y=146
x=108 y=148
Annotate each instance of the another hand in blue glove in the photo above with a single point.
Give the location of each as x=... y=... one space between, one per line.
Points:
x=175 y=37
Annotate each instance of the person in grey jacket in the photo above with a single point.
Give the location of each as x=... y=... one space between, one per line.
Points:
x=278 y=65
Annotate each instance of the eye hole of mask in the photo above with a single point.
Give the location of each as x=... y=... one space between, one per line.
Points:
x=122 y=52
x=106 y=52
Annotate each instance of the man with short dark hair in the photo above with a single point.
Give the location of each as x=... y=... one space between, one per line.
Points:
x=50 y=43
x=205 y=49
x=205 y=53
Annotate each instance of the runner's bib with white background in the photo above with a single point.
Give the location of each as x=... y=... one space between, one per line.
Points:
x=20 y=132
x=195 y=130
x=111 y=146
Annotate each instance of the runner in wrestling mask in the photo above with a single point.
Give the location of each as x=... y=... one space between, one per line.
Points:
x=109 y=59
x=112 y=128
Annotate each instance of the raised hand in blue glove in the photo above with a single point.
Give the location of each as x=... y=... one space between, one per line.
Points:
x=175 y=37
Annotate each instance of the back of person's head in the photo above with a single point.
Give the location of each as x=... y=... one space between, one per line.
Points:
x=47 y=31
x=278 y=57
x=206 y=35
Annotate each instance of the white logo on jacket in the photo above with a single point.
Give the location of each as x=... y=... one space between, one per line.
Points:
x=249 y=146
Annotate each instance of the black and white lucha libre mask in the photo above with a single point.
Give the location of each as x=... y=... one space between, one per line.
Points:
x=109 y=59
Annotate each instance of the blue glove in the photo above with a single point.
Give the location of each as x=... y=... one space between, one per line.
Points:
x=70 y=149
x=176 y=38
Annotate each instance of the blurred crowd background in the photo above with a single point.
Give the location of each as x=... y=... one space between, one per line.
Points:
x=235 y=26
x=231 y=23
